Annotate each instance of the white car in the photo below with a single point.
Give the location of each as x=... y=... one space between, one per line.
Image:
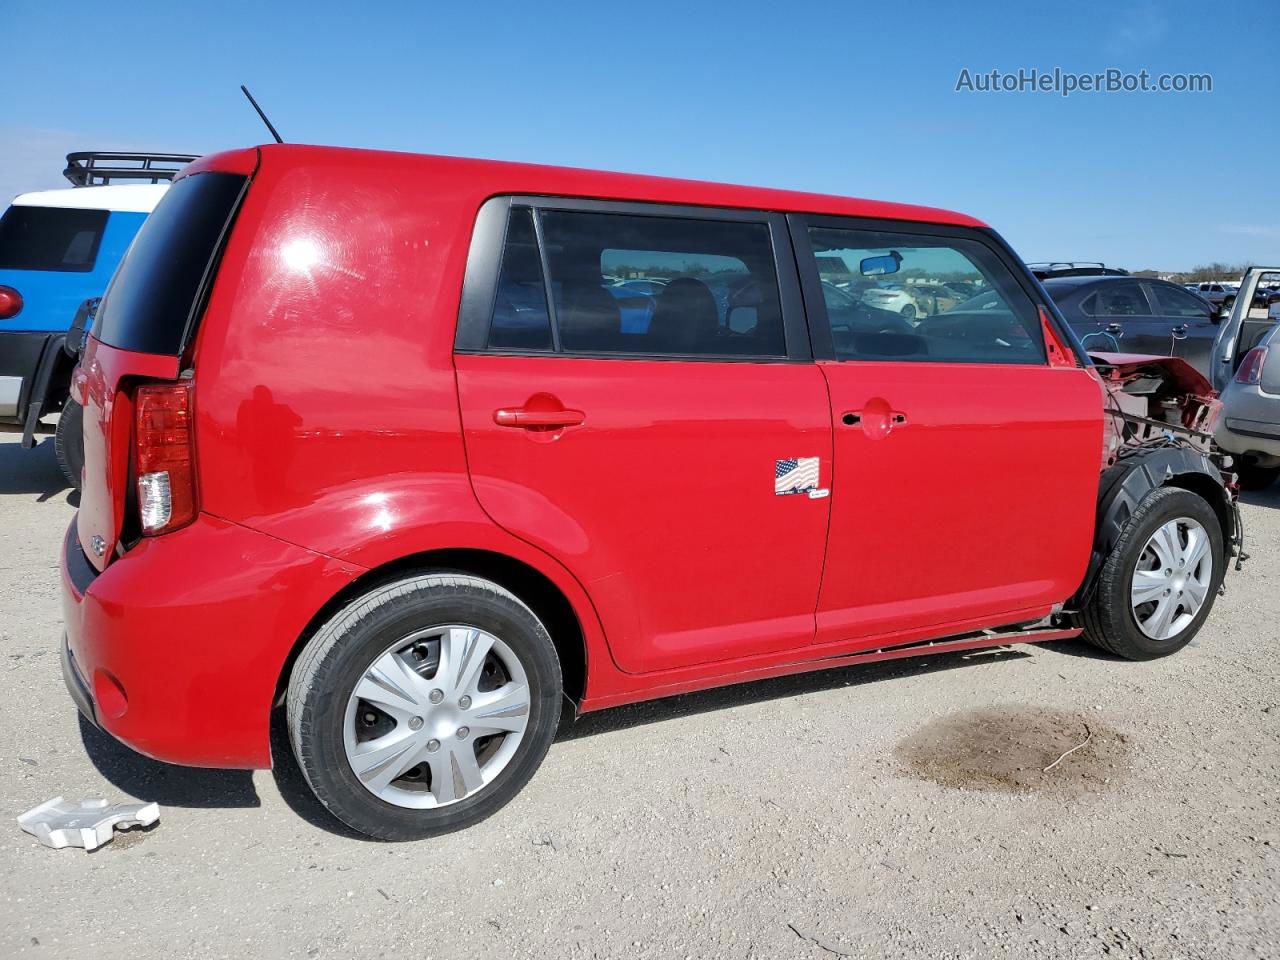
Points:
x=897 y=301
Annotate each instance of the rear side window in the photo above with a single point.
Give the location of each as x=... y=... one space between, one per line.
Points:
x=637 y=285
x=50 y=238
x=924 y=298
x=153 y=298
x=1124 y=299
x=520 y=319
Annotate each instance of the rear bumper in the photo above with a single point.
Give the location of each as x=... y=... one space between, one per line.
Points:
x=20 y=355
x=176 y=649
x=1236 y=435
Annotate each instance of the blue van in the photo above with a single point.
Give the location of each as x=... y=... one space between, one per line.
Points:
x=58 y=250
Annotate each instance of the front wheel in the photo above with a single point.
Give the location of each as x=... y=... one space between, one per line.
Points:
x=424 y=706
x=1158 y=585
x=908 y=312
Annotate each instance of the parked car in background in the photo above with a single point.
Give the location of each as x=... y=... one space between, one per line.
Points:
x=58 y=249
x=894 y=299
x=1221 y=295
x=1250 y=423
x=1247 y=372
x=427 y=566
x=1132 y=315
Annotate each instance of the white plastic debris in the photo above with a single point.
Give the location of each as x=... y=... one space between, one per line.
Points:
x=61 y=823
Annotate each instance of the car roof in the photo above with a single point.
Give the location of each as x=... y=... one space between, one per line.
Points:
x=497 y=177
x=122 y=198
x=1085 y=281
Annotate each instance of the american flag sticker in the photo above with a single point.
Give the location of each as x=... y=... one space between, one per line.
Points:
x=797 y=475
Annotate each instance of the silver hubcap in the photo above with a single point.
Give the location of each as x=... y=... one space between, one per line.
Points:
x=1171 y=581
x=436 y=717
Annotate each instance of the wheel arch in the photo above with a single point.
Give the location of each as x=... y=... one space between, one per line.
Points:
x=533 y=587
x=1125 y=484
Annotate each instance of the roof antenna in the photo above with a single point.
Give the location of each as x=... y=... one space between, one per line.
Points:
x=245 y=90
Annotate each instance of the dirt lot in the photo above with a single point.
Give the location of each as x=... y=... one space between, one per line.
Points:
x=896 y=810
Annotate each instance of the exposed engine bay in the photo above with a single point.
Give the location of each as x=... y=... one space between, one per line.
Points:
x=1152 y=400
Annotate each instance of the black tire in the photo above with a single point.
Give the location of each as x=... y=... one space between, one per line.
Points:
x=908 y=312
x=1109 y=619
x=1254 y=477
x=68 y=442
x=340 y=652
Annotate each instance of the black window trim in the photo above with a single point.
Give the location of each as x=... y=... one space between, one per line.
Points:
x=811 y=281
x=484 y=260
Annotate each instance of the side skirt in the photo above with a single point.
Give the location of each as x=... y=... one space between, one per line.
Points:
x=968 y=641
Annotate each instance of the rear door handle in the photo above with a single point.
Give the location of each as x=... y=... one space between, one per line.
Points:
x=1180 y=331
x=527 y=419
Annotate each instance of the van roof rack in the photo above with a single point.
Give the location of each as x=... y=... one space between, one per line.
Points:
x=94 y=168
x=1059 y=268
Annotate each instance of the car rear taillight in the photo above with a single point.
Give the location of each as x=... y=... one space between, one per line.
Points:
x=1251 y=366
x=164 y=457
x=10 y=302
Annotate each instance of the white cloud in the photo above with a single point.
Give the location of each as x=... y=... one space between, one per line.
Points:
x=1138 y=27
x=1251 y=230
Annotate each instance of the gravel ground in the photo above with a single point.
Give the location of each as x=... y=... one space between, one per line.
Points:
x=895 y=810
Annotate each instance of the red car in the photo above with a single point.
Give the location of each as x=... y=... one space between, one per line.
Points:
x=394 y=442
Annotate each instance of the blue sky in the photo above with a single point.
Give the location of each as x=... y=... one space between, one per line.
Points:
x=848 y=98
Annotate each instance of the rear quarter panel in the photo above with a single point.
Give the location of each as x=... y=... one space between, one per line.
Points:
x=326 y=403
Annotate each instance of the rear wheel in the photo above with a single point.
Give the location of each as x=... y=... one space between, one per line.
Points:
x=68 y=442
x=908 y=312
x=1159 y=583
x=424 y=706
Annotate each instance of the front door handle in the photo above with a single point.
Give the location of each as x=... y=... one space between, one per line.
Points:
x=877 y=419
x=533 y=419
x=1180 y=332
x=1115 y=329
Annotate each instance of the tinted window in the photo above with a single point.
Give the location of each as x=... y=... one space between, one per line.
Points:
x=1124 y=299
x=662 y=285
x=948 y=300
x=520 y=320
x=1178 y=303
x=50 y=238
x=150 y=305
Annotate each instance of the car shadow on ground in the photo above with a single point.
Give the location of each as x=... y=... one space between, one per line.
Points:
x=165 y=783
x=1269 y=497
x=36 y=471
x=177 y=786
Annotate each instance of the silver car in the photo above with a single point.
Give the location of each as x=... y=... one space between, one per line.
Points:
x=1247 y=374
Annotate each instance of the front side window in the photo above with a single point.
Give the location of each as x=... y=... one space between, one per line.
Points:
x=631 y=284
x=50 y=238
x=894 y=296
x=1124 y=299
